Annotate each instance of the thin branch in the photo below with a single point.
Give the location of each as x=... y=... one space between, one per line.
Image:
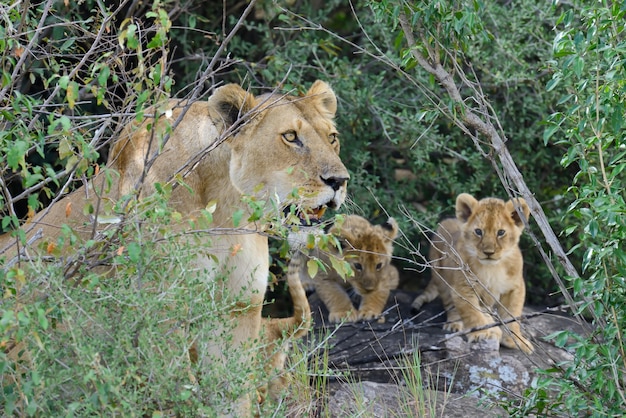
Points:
x=471 y=121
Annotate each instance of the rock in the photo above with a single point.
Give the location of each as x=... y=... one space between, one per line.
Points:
x=382 y=400
x=458 y=379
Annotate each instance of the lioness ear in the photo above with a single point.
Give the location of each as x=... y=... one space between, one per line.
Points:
x=231 y=102
x=465 y=204
x=390 y=229
x=510 y=206
x=326 y=101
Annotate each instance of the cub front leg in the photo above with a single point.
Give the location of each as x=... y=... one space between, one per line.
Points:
x=512 y=305
x=470 y=308
x=372 y=305
x=336 y=300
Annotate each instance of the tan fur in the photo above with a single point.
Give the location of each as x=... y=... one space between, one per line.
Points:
x=279 y=332
x=265 y=146
x=476 y=264
x=368 y=249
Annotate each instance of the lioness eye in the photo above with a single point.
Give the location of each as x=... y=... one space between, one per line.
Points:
x=358 y=266
x=332 y=138
x=379 y=266
x=290 y=136
x=478 y=232
x=501 y=232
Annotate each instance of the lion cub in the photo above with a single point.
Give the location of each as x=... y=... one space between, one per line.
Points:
x=368 y=249
x=477 y=264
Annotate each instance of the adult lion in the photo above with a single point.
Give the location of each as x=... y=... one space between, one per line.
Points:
x=272 y=148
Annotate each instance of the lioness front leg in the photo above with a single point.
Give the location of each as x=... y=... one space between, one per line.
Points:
x=512 y=305
x=337 y=301
x=470 y=310
x=372 y=305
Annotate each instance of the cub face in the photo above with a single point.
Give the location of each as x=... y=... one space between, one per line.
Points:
x=491 y=228
x=368 y=249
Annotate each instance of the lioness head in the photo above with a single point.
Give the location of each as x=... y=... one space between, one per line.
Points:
x=491 y=228
x=286 y=147
x=368 y=249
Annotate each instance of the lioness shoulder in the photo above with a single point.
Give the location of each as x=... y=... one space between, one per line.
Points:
x=368 y=248
x=484 y=237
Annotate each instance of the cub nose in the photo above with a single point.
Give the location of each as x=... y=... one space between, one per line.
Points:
x=335 y=182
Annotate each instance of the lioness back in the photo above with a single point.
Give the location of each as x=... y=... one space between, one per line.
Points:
x=368 y=248
x=477 y=265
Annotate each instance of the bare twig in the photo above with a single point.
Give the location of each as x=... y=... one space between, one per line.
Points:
x=471 y=121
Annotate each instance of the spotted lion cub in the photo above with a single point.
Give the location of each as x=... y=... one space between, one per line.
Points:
x=477 y=264
x=368 y=248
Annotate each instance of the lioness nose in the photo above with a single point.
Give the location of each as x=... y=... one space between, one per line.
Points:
x=335 y=182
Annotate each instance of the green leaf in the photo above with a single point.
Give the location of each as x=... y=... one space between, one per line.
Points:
x=134 y=251
x=103 y=76
x=341 y=267
x=16 y=155
x=552 y=84
x=72 y=94
x=65 y=148
x=548 y=132
x=64 y=81
x=41 y=316
x=237 y=217
x=312 y=267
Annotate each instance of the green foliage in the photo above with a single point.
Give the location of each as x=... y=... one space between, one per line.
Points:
x=65 y=81
x=89 y=344
x=72 y=74
x=589 y=51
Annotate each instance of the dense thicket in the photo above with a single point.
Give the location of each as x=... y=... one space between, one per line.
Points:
x=73 y=73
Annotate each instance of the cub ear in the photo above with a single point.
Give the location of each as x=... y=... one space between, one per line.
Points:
x=390 y=229
x=510 y=206
x=465 y=205
x=231 y=102
x=325 y=99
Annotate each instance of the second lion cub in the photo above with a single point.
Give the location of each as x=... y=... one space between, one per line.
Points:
x=476 y=265
x=368 y=249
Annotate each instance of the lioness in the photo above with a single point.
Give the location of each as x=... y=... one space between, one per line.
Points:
x=273 y=147
x=476 y=264
x=368 y=248
x=278 y=332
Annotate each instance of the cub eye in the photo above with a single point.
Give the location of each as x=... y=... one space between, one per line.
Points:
x=358 y=266
x=501 y=232
x=478 y=232
x=291 y=136
x=379 y=266
x=333 y=138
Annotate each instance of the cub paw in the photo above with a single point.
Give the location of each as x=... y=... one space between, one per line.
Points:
x=418 y=302
x=486 y=334
x=520 y=343
x=368 y=315
x=338 y=316
x=454 y=326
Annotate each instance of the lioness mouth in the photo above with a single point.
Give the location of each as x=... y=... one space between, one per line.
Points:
x=307 y=216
